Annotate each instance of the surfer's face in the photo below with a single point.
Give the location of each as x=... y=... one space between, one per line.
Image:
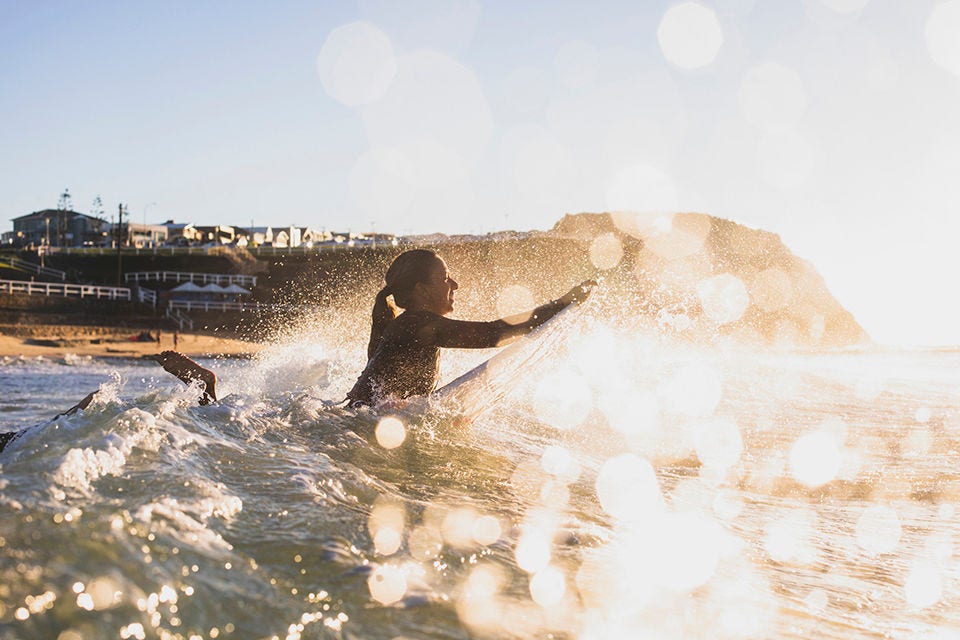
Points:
x=437 y=290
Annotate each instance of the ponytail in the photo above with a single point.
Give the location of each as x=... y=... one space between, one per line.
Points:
x=406 y=270
x=383 y=313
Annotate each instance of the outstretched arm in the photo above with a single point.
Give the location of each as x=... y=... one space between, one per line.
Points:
x=187 y=370
x=482 y=335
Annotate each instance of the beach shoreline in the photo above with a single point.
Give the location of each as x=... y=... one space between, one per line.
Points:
x=115 y=342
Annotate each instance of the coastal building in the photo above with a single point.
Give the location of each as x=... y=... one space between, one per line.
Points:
x=60 y=228
x=145 y=235
x=181 y=233
x=216 y=234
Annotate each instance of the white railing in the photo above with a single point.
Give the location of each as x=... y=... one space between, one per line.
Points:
x=17 y=263
x=182 y=319
x=200 y=305
x=72 y=290
x=148 y=296
x=188 y=276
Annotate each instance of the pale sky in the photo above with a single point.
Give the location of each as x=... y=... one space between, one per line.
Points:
x=834 y=123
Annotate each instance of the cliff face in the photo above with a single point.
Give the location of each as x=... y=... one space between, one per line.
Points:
x=689 y=276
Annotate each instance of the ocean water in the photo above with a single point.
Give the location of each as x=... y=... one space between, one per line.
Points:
x=627 y=486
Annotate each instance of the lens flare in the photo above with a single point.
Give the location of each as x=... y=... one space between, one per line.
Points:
x=547 y=586
x=790 y=539
x=942 y=28
x=356 y=64
x=533 y=550
x=514 y=304
x=387 y=584
x=815 y=458
x=719 y=444
x=690 y=35
x=560 y=463
x=486 y=530
x=563 y=400
x=723 y=298
x=684 y=238
x=690 y=550
x=694 y=390
x=878 y=530
x=458 y=528
x=628 y=489
x=386 y=524
x=606 y=251
x=390 y=432
x=923 y=586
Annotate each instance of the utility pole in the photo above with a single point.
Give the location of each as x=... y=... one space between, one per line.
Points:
x=119 y=245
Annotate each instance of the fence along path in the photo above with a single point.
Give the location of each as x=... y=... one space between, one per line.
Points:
x=188 y=276
x=70 y=290
x=32 y=267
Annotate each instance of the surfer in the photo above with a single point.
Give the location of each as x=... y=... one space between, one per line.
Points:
x=173 y=362
x=403 y=354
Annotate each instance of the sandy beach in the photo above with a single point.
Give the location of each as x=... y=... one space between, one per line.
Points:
x=107 y=342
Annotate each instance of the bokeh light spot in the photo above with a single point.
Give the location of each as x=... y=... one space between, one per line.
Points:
x=719 y=444
x=694 y=390
x=943 y=35
x=486 y=530
x=878 y=530
x=815 y=458
x=923 y=586
x=514 y=304
x=547 y=586
x=563 y=399
x=690 y=35
x=533 y=550
x=628 y=489
x=387 y=584
x=683 y=237
x=390 y=432
x=723 y=298
x=386 y=525
x=606 y=251
x=356 y=64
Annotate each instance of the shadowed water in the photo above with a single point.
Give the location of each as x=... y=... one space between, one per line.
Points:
x=629 y=486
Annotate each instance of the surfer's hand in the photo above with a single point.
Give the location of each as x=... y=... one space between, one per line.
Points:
x=579 y=293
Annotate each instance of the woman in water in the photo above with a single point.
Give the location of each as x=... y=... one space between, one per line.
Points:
x=404 y=351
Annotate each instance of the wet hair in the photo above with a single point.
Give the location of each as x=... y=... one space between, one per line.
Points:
x=406 y=270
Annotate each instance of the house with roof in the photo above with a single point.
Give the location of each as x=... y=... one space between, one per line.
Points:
x=61 y=228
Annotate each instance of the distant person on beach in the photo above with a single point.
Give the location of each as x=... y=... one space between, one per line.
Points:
x=403 y=354
x=178 y=364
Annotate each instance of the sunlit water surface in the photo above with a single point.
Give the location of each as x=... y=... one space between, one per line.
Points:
x=627 y=487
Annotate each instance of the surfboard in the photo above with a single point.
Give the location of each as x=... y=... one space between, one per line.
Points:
x=480 y=388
